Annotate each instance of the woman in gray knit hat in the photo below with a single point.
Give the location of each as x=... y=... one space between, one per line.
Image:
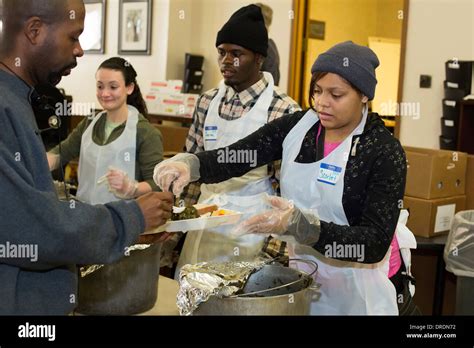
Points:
x=342 y=184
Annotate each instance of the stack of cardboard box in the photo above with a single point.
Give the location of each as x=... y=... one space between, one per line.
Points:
x=165 y=98
x=435 y=189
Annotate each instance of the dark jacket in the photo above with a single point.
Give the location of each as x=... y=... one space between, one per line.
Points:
x=64 y=233
x=374 y=181
x=271 y=63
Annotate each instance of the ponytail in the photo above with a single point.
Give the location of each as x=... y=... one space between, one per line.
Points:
x=136 y=99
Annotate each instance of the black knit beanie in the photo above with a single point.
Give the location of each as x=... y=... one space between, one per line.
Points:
x=353 y=62
x=246 y=28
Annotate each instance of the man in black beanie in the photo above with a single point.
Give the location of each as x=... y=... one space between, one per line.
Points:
x=245 y=100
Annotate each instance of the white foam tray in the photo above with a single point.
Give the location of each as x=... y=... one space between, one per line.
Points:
x=198 y=223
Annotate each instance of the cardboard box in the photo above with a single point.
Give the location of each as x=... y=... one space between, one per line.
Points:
x=432 y=217
x=173 y=104
x=170 y=86
x=152 y=103
x=435 y=173
x=470 y=183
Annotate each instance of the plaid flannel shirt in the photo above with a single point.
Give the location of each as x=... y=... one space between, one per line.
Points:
x=233 y=106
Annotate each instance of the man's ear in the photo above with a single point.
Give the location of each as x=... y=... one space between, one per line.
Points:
x=365 y=99
x=34 y=30
x=259 y=59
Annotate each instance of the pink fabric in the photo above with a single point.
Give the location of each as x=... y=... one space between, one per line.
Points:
x=328 y=147
x=395 y=259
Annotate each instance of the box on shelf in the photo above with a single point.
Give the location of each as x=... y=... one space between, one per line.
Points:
x=152 y=103
x=451 y=109
x=173 y=104
x=435 y=173
x=447 y=143
x=461 y=74
x=170 y=86
x=193 y=76
x=432 y=217
x=470 y=183
x=449 y=128
x=452 y=92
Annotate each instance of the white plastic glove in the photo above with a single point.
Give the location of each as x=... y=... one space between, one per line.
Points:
x=274 y=221
x=175 y=173
x=284 y=217
x=179 y=170
x=120 y=184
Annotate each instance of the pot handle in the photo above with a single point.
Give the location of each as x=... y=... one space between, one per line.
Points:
x=315 y=286
x=311 y=263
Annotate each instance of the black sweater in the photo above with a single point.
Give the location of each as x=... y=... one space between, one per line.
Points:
x=374 y=181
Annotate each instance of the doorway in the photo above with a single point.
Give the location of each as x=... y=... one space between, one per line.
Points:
x=378 y=24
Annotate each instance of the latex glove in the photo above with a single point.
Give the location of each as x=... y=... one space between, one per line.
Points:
x=120 y=184
x=176 y=172
x=284 y=218
x=274 y=221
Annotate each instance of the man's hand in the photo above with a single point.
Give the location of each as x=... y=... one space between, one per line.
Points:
x=156 y=208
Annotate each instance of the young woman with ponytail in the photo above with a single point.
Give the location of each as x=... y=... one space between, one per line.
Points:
x=118 y=148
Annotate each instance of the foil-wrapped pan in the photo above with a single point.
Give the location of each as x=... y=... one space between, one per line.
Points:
x=197 y=283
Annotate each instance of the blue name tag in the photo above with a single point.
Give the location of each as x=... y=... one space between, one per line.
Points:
x=329 y=174
x=210 y=133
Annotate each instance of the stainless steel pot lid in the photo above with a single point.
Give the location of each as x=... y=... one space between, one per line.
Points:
x=276 y=279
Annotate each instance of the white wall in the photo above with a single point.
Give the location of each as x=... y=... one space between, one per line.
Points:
x=196 y=33
x=438 y=30
x=172 y=36
x=181 y=36
x=81 y=83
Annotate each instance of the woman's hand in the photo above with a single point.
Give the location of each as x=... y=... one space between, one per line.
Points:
x=121 y=185
x=274 y=221
x=176 y=173
x=303 y=224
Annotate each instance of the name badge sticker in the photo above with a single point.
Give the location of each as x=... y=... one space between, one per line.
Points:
x=329 y=174
x=210 y=133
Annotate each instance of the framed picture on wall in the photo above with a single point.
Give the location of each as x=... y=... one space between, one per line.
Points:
x=93 y=38
x=135 y=27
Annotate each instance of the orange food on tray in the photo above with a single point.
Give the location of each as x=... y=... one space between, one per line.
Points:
x=220 y=212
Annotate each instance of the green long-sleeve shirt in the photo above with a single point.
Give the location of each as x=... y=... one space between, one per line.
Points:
x=149 y=145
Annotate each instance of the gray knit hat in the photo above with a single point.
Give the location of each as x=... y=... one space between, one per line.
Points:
x=355 y=63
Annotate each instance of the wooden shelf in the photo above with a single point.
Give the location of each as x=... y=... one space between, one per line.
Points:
x=155 y=118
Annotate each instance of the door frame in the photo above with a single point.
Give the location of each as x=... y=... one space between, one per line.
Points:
x=297 y=49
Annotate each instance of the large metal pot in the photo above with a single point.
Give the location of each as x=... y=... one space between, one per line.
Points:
x=129 y=286
x=273 y=290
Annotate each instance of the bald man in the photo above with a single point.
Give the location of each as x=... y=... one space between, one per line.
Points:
x=41 y=238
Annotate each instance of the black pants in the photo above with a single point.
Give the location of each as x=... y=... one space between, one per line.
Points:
x=406 y=305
